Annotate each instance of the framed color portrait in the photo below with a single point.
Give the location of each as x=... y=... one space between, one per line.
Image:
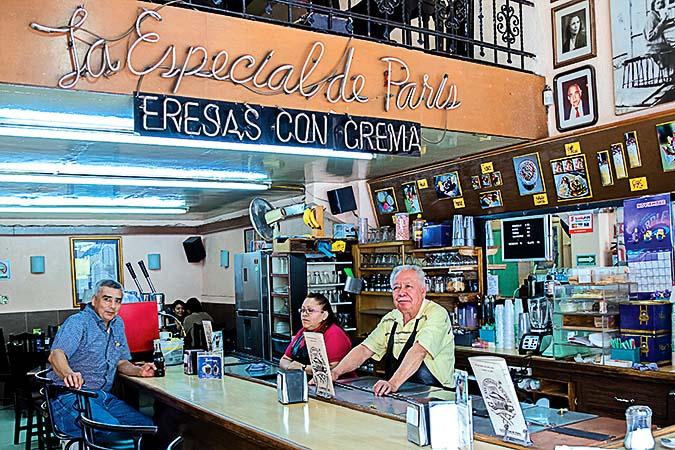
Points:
x=94 y=258
x=447 y=185
x=666 y=135
x=528 y=174
x=411 y=198
x=576 y=103
x=573 y=32
x=385 y=201
x=571 y=180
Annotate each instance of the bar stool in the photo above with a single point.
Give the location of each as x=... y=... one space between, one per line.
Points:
x=50 y=391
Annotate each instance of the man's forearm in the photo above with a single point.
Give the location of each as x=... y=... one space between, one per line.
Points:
x=59 y=363
x=410 y=364
x=127 y=368
x=354 y=359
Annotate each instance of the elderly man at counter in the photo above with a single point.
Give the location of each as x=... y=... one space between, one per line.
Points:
x=415 y=339
x=88 y=350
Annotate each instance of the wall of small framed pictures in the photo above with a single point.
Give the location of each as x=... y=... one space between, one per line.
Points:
x=625 y=160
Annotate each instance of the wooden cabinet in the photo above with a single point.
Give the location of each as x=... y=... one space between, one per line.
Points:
x=454 y=275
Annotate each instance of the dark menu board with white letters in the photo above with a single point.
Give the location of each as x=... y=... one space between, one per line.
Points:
x=525 y=239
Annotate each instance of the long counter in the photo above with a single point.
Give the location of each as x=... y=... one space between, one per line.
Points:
x=593 y=388
x=244 y=413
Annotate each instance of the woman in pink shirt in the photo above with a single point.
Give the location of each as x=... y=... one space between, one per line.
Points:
x=317 y=316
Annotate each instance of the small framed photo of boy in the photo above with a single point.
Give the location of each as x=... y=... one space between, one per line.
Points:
x=576 y=103
x=573 y=32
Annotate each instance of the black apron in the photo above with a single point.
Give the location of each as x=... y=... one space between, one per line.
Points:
x=391 y=364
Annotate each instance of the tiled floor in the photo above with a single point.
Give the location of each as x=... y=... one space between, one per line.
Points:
x=7 y=431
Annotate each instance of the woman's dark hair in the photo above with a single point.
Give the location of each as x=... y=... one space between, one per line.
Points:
x=325 y=306
x=193 y=305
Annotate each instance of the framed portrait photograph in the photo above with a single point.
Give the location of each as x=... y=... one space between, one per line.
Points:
x=385 y=201
x=576 y=103
x=490 y=199
x=573 y=25
x=411 y=198
x=528 y=174
x=666 y=135
x=447 y=185
x=570 y=176
x=632 y=149
x=619 y=160
x=605 y=167
x=94 y=258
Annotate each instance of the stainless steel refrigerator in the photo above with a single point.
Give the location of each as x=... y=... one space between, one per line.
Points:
x=251 y=296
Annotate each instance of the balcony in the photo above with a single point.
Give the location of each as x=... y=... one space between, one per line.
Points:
x=486 y=31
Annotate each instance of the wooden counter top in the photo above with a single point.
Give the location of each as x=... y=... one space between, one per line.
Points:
x=251 y=409
x=665 y=373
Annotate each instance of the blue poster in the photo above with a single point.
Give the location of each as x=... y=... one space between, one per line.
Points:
x=647 y=226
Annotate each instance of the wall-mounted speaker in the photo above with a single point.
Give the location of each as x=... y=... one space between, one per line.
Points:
x=341 y=200
x=194 y=249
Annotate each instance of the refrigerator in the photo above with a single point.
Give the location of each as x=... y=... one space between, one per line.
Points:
x=251 y=295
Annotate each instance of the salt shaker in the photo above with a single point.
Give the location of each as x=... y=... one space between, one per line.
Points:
x=639 y=428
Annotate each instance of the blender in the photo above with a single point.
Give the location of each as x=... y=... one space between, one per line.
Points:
x=540 y=336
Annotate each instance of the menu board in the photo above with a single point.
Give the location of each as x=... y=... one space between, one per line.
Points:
x=526 y=239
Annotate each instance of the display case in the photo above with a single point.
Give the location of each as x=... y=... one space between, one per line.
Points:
x=586 y=318
x=327 y=277
x=454 y=275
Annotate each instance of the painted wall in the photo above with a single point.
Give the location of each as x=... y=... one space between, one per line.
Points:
x=53 y=289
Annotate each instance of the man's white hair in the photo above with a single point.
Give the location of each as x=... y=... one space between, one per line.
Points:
x=421 y=276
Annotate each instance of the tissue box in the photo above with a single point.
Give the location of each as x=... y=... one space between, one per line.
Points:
x=626 y=354
x=439 y=235
x=417 y=422
x=649 y=316
x=654 y=348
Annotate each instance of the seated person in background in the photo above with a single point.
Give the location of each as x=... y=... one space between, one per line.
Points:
x=194 y=314
x=178 y=309
x=317 y=316
x=89 y=348
x=415 y=339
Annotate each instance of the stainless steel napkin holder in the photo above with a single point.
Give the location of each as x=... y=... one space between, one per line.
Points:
x=292 y=386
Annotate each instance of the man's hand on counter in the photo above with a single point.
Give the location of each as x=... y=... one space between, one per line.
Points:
x=384 y=387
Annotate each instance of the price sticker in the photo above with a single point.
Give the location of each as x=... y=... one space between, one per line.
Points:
x=540 y=199
x=573 y=148
x=487 y=167
x=458 y=202
x=422 y=184
x=638 y=184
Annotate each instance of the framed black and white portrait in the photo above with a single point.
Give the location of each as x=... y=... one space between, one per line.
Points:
x=643 y=53
x=576 y=103
x=573 y=32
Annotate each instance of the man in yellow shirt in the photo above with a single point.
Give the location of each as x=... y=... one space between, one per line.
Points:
x=415 y=339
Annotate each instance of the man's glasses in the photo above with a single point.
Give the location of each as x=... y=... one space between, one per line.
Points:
x=308 y=311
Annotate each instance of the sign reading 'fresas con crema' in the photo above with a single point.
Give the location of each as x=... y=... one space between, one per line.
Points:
x=192 y=118
x=267 y=74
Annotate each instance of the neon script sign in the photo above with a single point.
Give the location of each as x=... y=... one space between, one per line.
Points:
x=93 y=60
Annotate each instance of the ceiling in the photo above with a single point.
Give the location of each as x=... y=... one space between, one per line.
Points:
x=286 y=173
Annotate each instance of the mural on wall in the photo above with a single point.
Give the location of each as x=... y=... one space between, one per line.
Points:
x=643 y=52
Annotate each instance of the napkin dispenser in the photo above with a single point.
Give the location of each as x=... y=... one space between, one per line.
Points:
x=417 y=420
x=292 y=386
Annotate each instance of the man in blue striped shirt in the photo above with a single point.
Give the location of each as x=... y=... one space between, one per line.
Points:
x=89 y=348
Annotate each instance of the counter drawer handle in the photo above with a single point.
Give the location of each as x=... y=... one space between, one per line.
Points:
x=624 y=400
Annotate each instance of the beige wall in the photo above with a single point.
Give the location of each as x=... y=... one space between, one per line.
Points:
x=218 y=282
x=53 y=289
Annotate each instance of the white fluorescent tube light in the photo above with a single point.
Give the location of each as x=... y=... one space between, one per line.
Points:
x=130 y=171
x=145 y=202
x=119 y=181
x=90 y=210
x=31 y=117
x=119 y=138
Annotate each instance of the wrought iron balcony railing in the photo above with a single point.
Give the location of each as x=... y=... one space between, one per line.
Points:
x=487 y=31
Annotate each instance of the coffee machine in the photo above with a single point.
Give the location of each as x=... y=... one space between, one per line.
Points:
x=539 y=307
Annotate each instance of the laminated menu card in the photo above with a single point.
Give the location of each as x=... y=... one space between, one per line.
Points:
x=318 y=359
x=209 y=366
x=501 y=400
